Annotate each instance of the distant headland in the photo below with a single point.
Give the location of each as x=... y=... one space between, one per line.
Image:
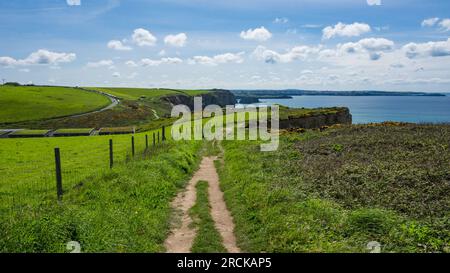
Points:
x=253 y=96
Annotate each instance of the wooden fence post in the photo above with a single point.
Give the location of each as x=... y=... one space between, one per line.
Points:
x=132 y=145
x=111 y=154
x=158 y=137
x=146 y=142
x=164 y=133
x=154 y=139
x=59 y=189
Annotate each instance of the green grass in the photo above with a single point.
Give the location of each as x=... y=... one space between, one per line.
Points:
x=27 y=173
x=135 y=93
x=286 y=113
x=117 y=130
x=338 y=190
x=29 y=132
x=74 y=131
x=125 y=209
x=31 y=103
x=208 y=239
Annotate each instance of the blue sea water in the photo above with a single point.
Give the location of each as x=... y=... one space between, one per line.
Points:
x=367 y=109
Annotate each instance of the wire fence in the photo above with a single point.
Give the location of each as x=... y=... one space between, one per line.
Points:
x=33 y=173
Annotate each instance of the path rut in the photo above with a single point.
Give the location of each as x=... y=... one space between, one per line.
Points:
x=182 y=234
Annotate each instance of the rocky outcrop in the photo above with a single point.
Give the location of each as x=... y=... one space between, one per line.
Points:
x=342 y=116
x=216 y=96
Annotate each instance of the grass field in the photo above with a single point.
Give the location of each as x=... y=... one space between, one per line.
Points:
x=135 y=93
x=125 y=209
x=145 y=93
x=30 y=103
x=139 y=107
x=338 y=190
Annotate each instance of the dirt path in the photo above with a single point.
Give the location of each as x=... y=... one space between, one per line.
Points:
x=182 y=235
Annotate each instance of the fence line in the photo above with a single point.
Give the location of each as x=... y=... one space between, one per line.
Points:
x=59 y=170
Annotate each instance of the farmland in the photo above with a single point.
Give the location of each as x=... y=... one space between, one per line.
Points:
x=137 y=107
x=32 y=220
x=39 y=103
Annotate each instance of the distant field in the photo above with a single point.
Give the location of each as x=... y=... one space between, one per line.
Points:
x=125 y=209
x=27 y=103
x=137 y=93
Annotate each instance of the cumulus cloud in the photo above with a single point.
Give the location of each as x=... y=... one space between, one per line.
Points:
x=150 y=62
x=131 y=64
x=445 y=24
x=116 y=75
x=344 y=30
x=430 y=49
x=73 y=2
x=373 y=46
x=143 y=37
x=118 y=45
x=430 y=22
x=178 y=40
x=296 y=53
x=42 y=57
x=101 y=63
x=218 y=59
x=258 y=34
x=374 y=2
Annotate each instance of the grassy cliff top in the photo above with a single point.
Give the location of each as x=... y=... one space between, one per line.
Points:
x=26 y=103
x=286 y=112
x=139 y=93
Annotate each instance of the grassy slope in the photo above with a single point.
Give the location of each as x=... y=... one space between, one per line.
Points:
x=37 y=103
x=208 y=239
x=123 y=210
x=138 y=107
x=135 y=93
x=27 y=165
x=336 y=191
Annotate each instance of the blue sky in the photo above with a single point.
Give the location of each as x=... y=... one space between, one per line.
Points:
x=305 y=44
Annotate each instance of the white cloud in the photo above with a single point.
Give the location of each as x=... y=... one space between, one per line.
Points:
x=374 y=2
x=150 y=62
x=430 y=49
x=101 y=63
x=42 y=56
x=178 y=40
x=344 y=30
x=258 y=34
x=131 y=64
x=218 y=59
x=281 y=20
x=311 y=26
x=73 y=2
x=162 y=53
x=143 y=37
x=296 y=53
x=8 y=61
x=118 y=45
x=430 y=22
x=445 y=24
x=116 y=75
x=373 y=46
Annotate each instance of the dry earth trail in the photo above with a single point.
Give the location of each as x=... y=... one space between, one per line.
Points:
x=182 y=234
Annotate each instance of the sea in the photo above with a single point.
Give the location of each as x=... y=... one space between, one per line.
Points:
x=367 y=109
